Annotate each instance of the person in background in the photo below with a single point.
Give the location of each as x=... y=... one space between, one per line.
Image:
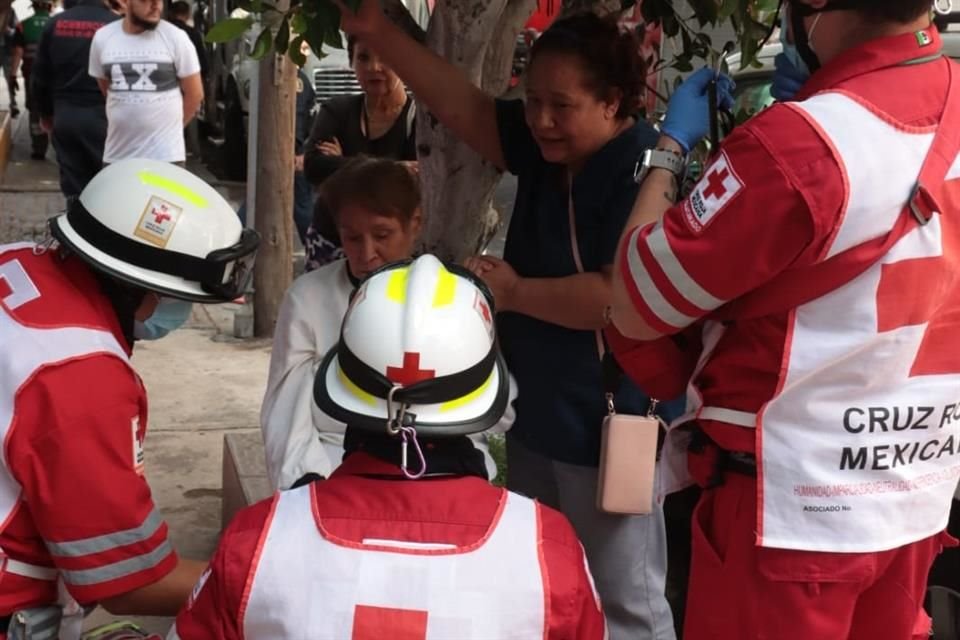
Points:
x=375 y=203
x=150 y=74
x=8 y=32
x=406 y=539
x=179 y=16
x=574 y=144
x=70 y=103
x=25 y=50
x=377 y=122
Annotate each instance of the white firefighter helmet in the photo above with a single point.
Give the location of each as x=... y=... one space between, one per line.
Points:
x=159 y=227
x=416 y=346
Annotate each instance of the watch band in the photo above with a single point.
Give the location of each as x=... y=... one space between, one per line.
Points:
x=672 y=161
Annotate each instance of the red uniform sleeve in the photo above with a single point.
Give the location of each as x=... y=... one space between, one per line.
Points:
x=661 y=367
x=75 y=447
x=752 y=215
x=214 y=610
x=574 y=605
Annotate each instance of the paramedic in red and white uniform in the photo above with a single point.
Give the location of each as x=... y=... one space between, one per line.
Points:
x=823 y=412
x=406 y=539
x=75 y=507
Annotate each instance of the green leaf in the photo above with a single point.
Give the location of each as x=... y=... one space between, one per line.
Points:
x=683 y=64
x=282 y=39
x=333 y=38
x=229 y=29
x=706 y=11
x=324 y=28
x=298 y=23
x=308 y=8
x=727 y=9
x=670 y=25
x=315 y=34
x=263 y=45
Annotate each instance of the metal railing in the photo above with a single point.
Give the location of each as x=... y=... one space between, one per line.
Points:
x=329 y=83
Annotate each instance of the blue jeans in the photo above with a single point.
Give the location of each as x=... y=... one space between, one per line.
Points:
x=302 y=206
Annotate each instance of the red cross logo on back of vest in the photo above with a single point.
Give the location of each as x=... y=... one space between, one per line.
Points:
x=716 y=188
x=926 y=290
x=410 y=373
x=379 y=623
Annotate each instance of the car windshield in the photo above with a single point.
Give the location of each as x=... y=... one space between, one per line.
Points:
x=751 y=96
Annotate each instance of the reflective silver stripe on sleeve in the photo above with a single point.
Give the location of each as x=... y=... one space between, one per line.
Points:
x=99 y=544
x=120 y=569
x=678 y=276
x=730 y=416
x=648 y=290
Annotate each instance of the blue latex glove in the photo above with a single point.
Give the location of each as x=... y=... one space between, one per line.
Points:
x=688 y=114
x=787 y=79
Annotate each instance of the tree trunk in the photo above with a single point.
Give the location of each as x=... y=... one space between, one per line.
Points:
x=479 y=36
x=274 y=189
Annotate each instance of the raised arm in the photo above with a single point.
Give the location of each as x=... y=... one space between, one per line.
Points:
x=443 y=88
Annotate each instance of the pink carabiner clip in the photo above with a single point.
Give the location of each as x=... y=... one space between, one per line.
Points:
x=404 y=432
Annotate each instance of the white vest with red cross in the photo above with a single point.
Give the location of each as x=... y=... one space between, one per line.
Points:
x=307 y=583
x=26 y=349
x=859 y=449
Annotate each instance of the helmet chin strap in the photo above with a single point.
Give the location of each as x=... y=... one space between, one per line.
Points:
x=125 y=301
x=801 y=38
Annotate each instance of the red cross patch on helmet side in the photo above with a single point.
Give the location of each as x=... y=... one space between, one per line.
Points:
x=157 y=222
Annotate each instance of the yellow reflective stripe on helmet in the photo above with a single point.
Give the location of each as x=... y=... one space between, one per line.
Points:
x=470 y=397
x=156 y=180
x=446 y=289
x=397 y=285
x=354 y=389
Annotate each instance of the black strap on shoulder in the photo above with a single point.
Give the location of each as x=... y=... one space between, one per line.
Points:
x=432 y=391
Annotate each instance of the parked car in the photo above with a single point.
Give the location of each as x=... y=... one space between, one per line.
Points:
x=753 y=83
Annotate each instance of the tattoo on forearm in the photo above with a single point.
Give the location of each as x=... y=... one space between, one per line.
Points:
x=672 y=193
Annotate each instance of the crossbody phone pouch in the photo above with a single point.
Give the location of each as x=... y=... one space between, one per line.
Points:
x=628 y=444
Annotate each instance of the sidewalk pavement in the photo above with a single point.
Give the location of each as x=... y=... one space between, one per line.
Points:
x=30 y=191
x=201 y=383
